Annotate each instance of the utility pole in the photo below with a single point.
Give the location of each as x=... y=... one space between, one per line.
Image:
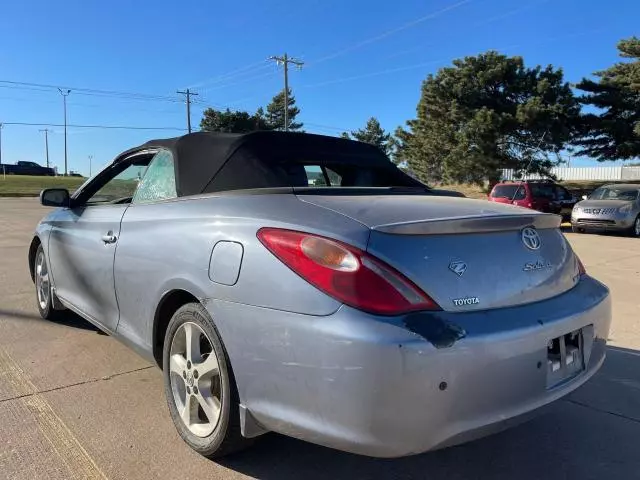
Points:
x=64 y=94
x=187 y=93
x=90 y=158
x=1 y=144
x=285 y=60
x=46 y=143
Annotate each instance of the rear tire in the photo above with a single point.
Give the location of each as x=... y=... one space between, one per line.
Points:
x=45 y=295
x=199 y=385
x=575 y=229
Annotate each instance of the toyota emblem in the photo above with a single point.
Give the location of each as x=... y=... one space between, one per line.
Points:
x=531 y=238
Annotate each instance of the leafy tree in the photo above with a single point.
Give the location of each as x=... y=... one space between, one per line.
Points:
x=613 y=131
x=486 y=113
x=232 y=121
x=275 y=113
x=372 y=133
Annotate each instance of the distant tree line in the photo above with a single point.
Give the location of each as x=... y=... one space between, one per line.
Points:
x=490 y=111
x=239 y=121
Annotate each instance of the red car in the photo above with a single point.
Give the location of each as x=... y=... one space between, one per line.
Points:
x=543 y=196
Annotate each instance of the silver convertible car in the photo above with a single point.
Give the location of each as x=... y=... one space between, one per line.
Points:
x=610 y=207
x=305 y=285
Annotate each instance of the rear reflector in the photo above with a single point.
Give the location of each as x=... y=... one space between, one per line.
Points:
x=346 y=273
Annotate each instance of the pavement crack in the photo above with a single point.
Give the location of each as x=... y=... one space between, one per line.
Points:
x=601 y=410
x=84 y=382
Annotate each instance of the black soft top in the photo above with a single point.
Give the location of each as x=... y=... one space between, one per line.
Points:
x=208 y=162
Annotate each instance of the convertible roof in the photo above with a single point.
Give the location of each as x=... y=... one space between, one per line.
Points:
x=250 y=160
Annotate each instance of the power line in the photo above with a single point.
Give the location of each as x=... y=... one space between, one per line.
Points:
x=83 y=91
x=373 y=74
x=244 y=80
x=393 y=31
x=328 y=127
x=247 y=69
x=70 y=125
x=431 y=62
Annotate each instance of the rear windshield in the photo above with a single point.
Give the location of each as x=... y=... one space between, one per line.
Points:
x=513 y=192
x=612 y=193
x=542 y=191
x=309 y=170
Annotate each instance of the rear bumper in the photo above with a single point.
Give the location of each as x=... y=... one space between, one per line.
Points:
x=391 y=387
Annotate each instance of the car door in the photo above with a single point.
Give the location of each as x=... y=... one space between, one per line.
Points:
x=142 y=259
x=84 y=239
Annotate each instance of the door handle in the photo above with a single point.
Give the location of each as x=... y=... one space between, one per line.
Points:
x=109 y=238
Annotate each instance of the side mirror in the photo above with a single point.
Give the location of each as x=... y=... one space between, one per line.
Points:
x=55 y=197
x=584 y=197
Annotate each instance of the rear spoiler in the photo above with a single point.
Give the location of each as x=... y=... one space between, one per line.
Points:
x=472 y=224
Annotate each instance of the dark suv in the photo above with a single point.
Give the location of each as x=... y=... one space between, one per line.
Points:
x=543 y=196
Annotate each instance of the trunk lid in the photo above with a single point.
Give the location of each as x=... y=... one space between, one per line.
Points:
x=465 y=254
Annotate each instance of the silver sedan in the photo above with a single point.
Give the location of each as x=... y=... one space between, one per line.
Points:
x=613 y=207
x=305 y=285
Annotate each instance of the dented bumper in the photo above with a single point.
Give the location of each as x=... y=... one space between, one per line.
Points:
x=390 y=387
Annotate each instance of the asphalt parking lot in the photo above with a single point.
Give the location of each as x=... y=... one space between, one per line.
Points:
x=77 y=404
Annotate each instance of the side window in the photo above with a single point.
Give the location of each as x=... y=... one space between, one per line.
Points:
x=159 y=182
x=334 y=178
x=315 y=176
x=120 y=188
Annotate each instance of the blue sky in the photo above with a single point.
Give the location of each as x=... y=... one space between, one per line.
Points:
x=363 y=58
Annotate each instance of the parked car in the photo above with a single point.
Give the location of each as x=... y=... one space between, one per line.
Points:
x=26 y=168
x=544 y=196
x=609 y=207
x=366 y=313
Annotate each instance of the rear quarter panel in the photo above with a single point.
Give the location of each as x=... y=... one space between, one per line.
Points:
x=167 y=246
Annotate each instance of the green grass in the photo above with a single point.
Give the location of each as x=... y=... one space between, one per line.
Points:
x=27 y=185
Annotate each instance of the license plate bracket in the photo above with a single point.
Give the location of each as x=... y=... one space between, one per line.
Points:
x=565 y=358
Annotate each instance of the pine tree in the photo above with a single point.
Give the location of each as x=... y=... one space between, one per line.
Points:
x=486 y=113
x=232 y=121
x=613 y=133
x=372 y=133
x=275 y=113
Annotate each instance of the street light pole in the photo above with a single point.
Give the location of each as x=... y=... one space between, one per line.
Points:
x=90 y=158
x=64 y=94
x=46 y=143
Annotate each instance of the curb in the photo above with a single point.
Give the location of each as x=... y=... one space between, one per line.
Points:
x=18 y=195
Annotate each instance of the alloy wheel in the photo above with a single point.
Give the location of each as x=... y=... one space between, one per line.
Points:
x=636 y=227
x=195 y=379
x=43 y=286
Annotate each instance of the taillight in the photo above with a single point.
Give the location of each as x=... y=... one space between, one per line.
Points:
x=346 y=273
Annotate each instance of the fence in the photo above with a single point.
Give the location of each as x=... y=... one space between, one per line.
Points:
x=583 y=173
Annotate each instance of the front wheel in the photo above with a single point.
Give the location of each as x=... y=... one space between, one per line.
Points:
x=44 y=290
x=575 y=229
x=199 y=385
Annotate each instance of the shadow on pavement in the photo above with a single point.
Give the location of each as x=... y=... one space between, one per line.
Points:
x=600 y=233
x=592 y=434
x=68 y=319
